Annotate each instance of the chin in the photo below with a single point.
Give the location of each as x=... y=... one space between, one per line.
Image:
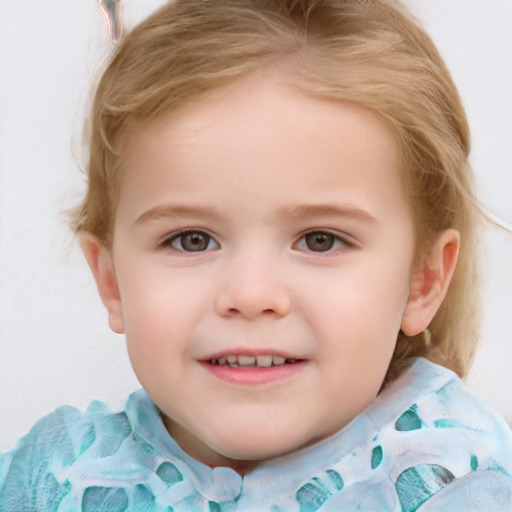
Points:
x=259 y=447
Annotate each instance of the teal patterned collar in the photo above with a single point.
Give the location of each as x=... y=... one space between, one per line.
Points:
x=426 y=441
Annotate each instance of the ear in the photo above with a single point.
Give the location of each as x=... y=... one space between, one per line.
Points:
x=430 y=280
x=101 y=264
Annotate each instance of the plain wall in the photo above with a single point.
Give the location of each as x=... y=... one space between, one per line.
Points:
x=55 y=346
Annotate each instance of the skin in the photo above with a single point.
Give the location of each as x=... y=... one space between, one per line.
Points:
x=249 y=172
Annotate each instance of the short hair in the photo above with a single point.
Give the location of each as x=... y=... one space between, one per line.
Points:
x=370 y=52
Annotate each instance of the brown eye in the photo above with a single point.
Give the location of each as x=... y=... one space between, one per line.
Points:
x=323 y=242
x=319 y=242
x=193 y=241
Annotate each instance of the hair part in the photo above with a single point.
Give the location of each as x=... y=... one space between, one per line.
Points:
x=373 y=53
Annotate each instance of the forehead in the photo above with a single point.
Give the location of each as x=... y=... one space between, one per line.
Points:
x=280 y=85
x=264 y=131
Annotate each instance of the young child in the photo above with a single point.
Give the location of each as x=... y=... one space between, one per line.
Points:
x=280 y=218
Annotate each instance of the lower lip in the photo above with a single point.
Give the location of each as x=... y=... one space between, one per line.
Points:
x=255 y=376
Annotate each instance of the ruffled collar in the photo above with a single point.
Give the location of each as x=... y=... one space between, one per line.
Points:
x=291 y=470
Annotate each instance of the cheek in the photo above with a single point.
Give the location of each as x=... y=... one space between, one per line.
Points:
x=156 y=335
x=147 y=310
x=357 y=320
x=359 y=301
x=161 y=306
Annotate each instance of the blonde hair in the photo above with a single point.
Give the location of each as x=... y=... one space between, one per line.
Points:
x=370 y=52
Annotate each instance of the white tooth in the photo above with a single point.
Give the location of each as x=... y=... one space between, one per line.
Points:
x=214 y=361
x=246 y=360
x=264 y=361
x=291 y=361
x=231 y=359
x=222 y=361
x=278 y=360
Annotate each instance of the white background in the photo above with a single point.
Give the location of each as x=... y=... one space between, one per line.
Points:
x=55 y=346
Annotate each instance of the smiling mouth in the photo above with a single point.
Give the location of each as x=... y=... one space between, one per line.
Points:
x=244 y=361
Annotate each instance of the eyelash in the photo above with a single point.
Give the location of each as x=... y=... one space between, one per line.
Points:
x=332 y=242
x=180 y=236
x=335 y=242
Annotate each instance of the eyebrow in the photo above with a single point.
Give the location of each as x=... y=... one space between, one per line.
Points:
x=168 y=210
x=299 y=211
x=349 y=210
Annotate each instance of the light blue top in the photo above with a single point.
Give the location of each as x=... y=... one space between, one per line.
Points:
x=425 y=442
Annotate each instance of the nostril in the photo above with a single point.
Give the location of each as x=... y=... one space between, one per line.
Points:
x=252 y=296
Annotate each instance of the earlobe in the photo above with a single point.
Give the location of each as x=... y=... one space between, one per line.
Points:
x=101 y=264
x=429 y=283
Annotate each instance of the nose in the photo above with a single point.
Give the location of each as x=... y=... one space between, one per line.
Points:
x=252 y=287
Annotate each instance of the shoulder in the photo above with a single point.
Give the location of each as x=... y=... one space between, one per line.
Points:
x=28 y=469
x=453 y=450
x=447 y=409
x=35 y=473
x=428 y=397
x=432 y=444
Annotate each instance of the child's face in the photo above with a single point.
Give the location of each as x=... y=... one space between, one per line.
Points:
x=261 y=222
